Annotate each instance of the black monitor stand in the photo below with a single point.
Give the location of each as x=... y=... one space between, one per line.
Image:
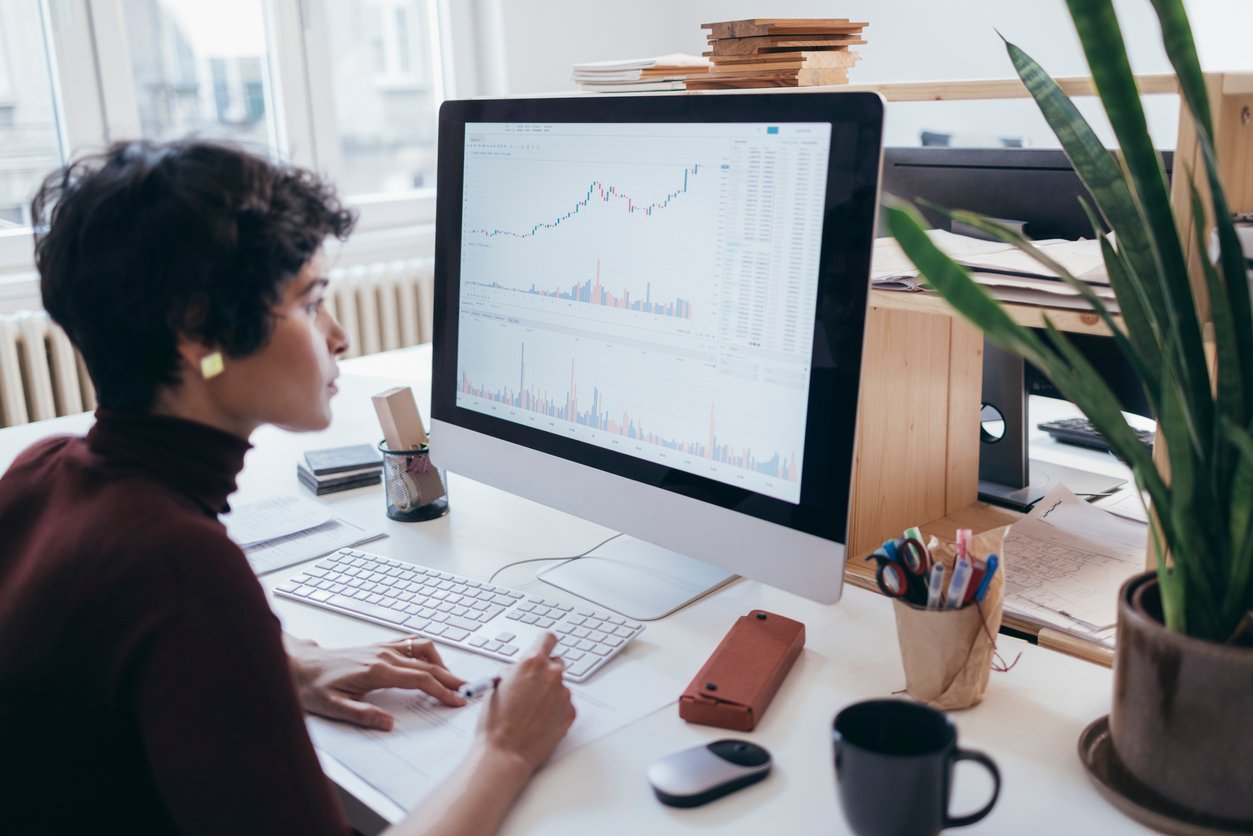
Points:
x=1007 y=474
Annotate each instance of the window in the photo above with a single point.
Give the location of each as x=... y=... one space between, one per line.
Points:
x=29 y=143
x=200 y=69
x=384 y=90
x=350 y=88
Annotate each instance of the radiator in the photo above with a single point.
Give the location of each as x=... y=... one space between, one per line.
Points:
x=41 y=375
x=381 y=306
x=384 y=305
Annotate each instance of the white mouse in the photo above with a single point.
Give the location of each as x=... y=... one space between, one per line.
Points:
x=699 y=775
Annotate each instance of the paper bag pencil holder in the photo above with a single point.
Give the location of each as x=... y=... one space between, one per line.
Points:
x=948 y=654
x=414 y=486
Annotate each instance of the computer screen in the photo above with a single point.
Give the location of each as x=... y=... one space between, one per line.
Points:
x=659 y=303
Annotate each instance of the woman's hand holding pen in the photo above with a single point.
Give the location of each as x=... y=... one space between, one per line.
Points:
x=530 y=711
x=332 y=681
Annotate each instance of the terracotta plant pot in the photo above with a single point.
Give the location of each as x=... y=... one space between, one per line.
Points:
x=1182 y=717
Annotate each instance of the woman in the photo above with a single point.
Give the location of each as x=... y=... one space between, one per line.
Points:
x=144 y=683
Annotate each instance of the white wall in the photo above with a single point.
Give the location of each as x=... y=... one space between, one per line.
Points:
x=908 y=40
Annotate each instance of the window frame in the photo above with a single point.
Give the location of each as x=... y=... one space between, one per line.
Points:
x=96 y=103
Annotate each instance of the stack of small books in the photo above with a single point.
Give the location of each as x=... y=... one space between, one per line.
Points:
x=639 y=75
x=340 y=468
x=777 y=52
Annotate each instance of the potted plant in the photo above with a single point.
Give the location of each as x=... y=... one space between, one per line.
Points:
x=1182 y=715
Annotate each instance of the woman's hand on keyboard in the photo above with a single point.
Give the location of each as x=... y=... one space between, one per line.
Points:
x=530 y=711
x=332 y=681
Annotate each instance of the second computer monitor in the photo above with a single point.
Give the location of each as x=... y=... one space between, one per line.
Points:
x=650 y=311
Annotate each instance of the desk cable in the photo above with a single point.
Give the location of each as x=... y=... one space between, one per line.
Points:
x=492 y=579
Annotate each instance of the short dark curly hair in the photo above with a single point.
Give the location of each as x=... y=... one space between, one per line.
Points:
x=147 y=242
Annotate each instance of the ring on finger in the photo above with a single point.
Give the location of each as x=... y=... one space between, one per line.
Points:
x=409 y=648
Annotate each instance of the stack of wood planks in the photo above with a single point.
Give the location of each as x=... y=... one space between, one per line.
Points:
x=779 y=52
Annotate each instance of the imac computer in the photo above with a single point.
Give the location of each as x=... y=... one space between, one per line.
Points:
x=649 y=313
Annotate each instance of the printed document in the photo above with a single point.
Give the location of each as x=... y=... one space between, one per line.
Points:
x=1065 y=562
x=269 y=519
x=330 y=536
x=428 y=739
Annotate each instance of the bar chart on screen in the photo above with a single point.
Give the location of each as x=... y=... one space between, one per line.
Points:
x=636 y=262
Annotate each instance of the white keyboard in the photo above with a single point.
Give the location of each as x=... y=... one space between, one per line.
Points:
x=480 y=617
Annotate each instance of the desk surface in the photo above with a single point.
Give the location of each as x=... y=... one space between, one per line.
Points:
x=1029 y=722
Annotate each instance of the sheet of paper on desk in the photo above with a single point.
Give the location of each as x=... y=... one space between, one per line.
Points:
x=1126 y=503
x=269 y=519
x=1065 y=562
x=429 y=740
x=305 y=545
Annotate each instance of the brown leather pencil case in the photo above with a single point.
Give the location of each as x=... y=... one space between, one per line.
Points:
x=737 y=682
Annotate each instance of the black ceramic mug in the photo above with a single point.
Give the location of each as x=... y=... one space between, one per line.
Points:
x=894 y=769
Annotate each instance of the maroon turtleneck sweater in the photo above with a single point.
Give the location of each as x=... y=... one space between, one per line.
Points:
x=143 y=683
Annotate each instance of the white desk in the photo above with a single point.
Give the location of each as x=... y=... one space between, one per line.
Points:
x=1029 y=722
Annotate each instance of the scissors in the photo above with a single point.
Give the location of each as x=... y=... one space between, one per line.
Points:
x=903 y=566
x=914 y=554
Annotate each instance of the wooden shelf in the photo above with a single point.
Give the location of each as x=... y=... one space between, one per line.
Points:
x=1032 y=316
x=979 y=89
x=999 y=88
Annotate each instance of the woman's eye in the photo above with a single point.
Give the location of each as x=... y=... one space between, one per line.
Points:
x=313 y=307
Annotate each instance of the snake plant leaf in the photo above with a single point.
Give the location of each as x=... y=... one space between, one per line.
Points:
x=1140 y=326
x=1229 y=380
x=1173 y=599
x=1016 y=239
x=1154 y=255
x=1086 y=388
x=1101 y=37
x=1081 y=383
x=1181 y=50
x=1235 y=284
x=953 y=282
x=1099 y=172
x=1240 y=513
x=1234 y=290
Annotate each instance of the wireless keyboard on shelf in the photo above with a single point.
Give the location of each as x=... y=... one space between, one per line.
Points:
x=1080 y=432
x=480 y=617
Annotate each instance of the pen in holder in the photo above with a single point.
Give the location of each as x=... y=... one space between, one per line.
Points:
x=948 y=653
x=414 y=486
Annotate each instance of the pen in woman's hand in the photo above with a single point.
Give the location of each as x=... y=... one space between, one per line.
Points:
x=473 y=689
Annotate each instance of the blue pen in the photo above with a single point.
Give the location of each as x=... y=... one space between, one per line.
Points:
x=993 y=562
x=958 y=583
x=935 y=587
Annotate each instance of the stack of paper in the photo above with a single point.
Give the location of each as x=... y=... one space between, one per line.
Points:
x=1065 y=562
x=1008 y=273
x=774 y=52
x=340 y=468
x=286 y=530
x=637 y=75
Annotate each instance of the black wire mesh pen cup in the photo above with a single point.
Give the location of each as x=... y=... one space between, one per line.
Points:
x=414 y=487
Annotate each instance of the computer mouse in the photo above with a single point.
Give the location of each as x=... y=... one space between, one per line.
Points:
x=698 y=775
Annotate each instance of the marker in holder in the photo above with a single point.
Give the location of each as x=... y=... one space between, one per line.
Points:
x=414 y=487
